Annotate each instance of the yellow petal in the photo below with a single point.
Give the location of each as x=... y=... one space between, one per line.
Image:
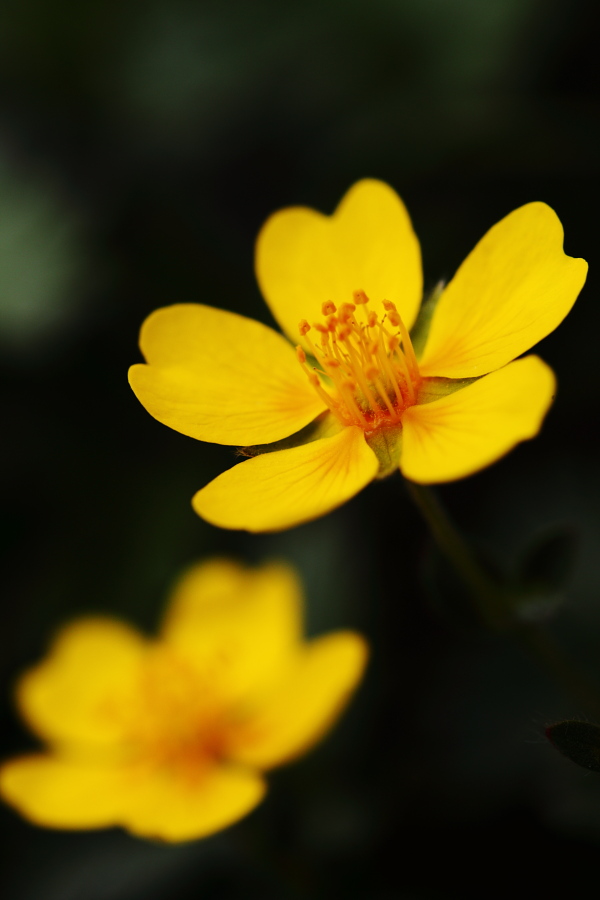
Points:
x=287 y=487
x=69 y=696
x=241 y=624
x=162 y=803
x=62 y=794
x=304 y=258
x=512 y=290
x=466 y=431
x=303 y=707
x=220 y=377
x=172 y=807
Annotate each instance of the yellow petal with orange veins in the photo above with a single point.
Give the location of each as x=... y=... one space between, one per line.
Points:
x=241 y=624
x=287 y=487
x=305 y=705
x=58 y=793
x=174 y=806
x=305 y=259
x=70 y=696
x=220 y=377
x=512 y=290
x=471 y=428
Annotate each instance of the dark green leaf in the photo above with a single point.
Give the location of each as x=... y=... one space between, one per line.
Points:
x=548 y=562
x=578 y=741
x=543 y=574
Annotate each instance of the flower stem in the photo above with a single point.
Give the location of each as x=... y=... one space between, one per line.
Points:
x=487 y=598
x=495 y=606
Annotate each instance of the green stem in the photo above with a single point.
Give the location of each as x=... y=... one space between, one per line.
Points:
x=494 y=605
x=486 y=597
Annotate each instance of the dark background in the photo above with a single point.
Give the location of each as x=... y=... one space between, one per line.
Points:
x=142 y=145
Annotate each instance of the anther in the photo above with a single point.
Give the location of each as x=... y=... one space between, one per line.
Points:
x=346 y=310
x=369 y=373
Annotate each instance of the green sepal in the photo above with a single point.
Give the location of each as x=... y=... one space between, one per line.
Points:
x=432 y=389
x=578 y=741
x=324 y=426
x=420 y=330
x=543 y=573
x=386 y=444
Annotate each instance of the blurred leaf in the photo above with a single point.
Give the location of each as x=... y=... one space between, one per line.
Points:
x=40 y=261
x=549 y=561
x=578 y=741
x=543 y=574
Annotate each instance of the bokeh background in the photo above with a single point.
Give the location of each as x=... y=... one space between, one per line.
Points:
x=141 y=147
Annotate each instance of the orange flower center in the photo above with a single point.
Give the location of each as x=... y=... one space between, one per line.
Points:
x=367 y=371
x=178 y=717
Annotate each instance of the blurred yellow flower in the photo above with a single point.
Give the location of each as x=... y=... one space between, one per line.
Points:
x=168 y=737
x=346 y=290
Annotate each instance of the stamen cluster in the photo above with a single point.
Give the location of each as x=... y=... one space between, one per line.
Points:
x=367 y=371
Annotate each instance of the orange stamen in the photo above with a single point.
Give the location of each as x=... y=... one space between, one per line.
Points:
x=368 y=374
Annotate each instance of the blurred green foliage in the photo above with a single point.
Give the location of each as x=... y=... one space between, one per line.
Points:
x=41 y=261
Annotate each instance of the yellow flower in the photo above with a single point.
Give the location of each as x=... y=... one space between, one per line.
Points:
x=168 y=738
x=358 y=398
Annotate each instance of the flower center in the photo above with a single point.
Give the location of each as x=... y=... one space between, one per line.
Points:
x=367 y=371
x=178 y=717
